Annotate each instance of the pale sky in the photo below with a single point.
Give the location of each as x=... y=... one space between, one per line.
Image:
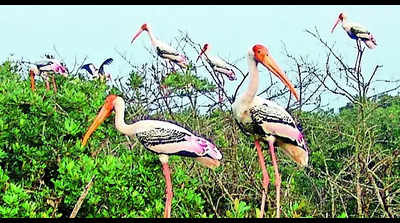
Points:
x=96 y=30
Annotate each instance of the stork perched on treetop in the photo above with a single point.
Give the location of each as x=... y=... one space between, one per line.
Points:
x=44 y=68
x=161 y=137
x=163 y=50
x=98 y=73
x=269 y=122
x=219 y=66
x=355 y=31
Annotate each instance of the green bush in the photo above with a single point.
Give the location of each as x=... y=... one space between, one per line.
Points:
x=43 y=162
x=44 y=169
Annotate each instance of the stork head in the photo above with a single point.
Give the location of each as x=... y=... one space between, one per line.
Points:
x=261 y=55
x=205 y=48
x=142 y=28
x=103 y=114
x=342 y=16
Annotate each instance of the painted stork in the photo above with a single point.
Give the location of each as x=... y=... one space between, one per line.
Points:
x=269 y=122
x=355 y=31
x=98 y=73
x=44 y=68
x=161 y=137
x=163 y=50
x=219 y=66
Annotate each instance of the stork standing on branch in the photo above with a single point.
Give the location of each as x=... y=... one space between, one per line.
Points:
x=219 y=66
x=163 y=50
x=356 y=31
x=269 y=122
x=161 y=137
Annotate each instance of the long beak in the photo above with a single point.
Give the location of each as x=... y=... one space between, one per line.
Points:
x=137 y=34
x=202 y=51
x=32 y=74
x=101 y=116
x=333 y=28
x=271 y=65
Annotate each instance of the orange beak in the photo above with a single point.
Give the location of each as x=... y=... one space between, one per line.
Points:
x=101 y=116
x=137 y=34
x=32 y=74
x=271 y=65
x=333 y=28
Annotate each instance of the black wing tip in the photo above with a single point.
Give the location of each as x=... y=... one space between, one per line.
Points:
x=86 y=67
x=108 y=61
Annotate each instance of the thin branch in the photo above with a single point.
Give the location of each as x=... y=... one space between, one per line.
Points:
x=81 y=198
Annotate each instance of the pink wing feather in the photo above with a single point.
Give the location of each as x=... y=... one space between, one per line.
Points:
x=177 y=141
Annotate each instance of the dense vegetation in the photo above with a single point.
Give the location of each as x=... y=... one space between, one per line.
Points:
x=44 y=170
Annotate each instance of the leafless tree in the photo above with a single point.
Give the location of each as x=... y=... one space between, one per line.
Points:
x=362 y=177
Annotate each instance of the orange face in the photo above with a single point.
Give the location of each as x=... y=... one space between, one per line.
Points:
x=205 y=47
x=260 y=52
x=109 y=102
x=341 y=16
x=103 y=114
x=339 y=19
x=144 y=27
x=262 y=56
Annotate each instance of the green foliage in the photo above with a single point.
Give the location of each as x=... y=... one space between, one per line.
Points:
x=239 y=210
x=135 y=80
x=44 y=169
x=186 y=82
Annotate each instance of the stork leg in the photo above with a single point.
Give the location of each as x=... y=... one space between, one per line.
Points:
x=358 y=44
x=32 y=74
x=47 y=85
x=277 y=176
x=358 y=41
x=221 y=95
x=265 y=181
x=168 y=190
x=219 y=83
x=54 y=84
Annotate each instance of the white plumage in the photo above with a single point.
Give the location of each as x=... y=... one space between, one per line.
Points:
x=218 y=64
x=356 y=31
x=164 y=50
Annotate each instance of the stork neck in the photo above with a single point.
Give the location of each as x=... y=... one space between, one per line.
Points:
x=152 y=37
x=251 y=91
x=120 y=124
x=345 y=23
